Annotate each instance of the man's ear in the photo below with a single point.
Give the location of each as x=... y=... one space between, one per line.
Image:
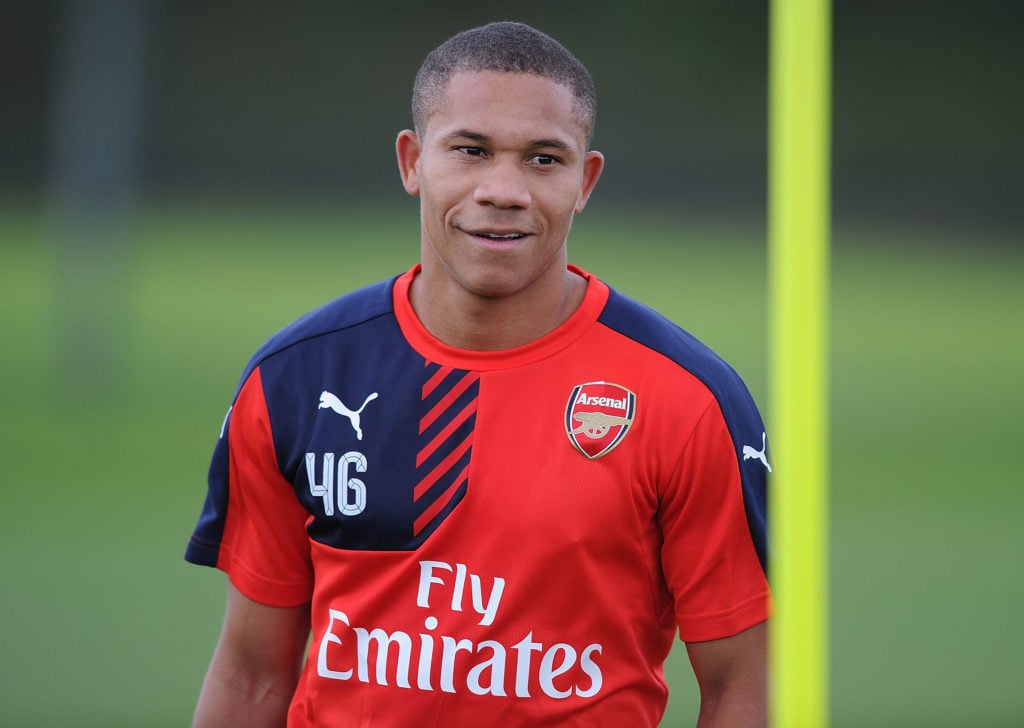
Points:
x=407 y=147
x=593 y=163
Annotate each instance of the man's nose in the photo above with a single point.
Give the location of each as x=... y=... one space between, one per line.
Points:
x=503 y=185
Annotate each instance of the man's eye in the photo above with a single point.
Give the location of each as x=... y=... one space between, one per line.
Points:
x=471 y=151
x=544 y=159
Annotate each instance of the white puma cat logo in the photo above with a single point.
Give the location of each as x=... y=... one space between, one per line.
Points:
x=330 y=401
x=749 y=453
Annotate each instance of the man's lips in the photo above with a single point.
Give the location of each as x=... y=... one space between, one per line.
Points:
x=496 y=235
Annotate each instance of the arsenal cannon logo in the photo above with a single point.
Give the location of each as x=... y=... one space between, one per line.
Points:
x=597 y=417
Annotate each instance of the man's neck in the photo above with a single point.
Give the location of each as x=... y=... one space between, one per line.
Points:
x=464 y=320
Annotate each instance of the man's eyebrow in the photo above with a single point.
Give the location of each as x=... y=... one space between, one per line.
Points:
x=468 y=134
x=550 y=144
x=476 y=136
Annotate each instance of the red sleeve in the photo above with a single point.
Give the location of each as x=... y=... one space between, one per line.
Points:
x=709 y=558
x=265 y=549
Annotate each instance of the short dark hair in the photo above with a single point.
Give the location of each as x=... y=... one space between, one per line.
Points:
x=502 y=47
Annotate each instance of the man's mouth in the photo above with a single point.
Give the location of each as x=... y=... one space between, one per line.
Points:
x=500 y=236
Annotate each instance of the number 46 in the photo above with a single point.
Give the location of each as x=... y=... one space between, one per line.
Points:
x=351 y=491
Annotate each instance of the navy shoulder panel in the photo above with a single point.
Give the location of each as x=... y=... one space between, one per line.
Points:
x=656 y=332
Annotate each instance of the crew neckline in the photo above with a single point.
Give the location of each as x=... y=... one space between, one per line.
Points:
x=435 y=350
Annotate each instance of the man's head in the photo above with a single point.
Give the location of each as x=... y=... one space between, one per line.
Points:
x=504 y=47
x=500 y=160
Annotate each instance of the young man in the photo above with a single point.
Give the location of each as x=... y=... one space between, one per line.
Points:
x=490 y=490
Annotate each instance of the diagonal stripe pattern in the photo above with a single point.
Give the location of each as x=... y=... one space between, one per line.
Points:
x=447 y=419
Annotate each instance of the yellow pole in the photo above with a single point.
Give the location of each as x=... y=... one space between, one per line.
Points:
x=799 y=141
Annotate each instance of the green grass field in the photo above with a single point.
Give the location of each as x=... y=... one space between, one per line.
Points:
x=103 y=624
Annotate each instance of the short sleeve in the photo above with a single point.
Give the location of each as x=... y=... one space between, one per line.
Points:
x=709 y=555
x=253 y=526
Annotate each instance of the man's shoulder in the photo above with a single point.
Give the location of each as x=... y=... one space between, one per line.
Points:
x=347 y=311
x=656 y=332
x=651 y=328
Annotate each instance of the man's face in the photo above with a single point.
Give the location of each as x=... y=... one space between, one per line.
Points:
x=501 y=168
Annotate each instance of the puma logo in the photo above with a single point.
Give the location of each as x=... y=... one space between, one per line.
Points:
x=330 y=401
x=749 y=453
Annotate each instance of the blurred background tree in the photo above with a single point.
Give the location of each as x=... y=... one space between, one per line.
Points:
x=301 y=101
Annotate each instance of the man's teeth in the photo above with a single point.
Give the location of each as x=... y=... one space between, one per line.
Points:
x=507 y=236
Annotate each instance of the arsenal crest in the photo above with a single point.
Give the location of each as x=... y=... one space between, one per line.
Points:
x=598 y=416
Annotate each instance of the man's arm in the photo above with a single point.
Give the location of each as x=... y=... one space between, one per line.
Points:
x=732 y=675
x=255 y=667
